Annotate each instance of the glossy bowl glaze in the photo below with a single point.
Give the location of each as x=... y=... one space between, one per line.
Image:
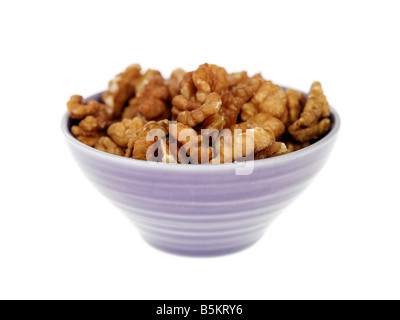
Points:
x=201 y=210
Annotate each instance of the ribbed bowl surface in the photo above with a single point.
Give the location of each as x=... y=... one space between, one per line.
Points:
x=201 y=210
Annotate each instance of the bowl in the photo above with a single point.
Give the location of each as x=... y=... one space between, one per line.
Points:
x=202 y=210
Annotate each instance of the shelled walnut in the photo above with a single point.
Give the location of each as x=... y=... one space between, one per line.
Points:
x=202 y=116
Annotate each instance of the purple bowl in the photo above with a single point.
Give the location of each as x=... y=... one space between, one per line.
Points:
x=201 y=210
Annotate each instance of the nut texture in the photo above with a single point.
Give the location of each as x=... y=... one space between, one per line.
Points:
x=216 y=116
x=314 y=121
x=121 y=89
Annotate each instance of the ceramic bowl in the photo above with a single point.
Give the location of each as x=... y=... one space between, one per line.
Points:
x=201 y=210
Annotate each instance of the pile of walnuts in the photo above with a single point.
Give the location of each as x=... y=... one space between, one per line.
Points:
x=203 y=116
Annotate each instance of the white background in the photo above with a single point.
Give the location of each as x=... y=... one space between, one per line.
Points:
x=60 y=239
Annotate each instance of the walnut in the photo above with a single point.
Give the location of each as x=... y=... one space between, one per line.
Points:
x=134 y=118
x=165 y=115
x=154 y=147
x=141 y=82
x=87 y=137
x=174 y=82
x=140 y=148
x=187 y=88
x=248 y=110
x=236 y=77
x=211 y=106
x=121 y=132
x=151 y=96
x=132 y=111
x=206 y=79
x=161 y=127
x=230 y=109
x=270 y=98
x=182 y=133
x=107 y=145
x=233 y=101
x=121 y=89
x=311 y=133
x=94 y=119
x=316 y=107
x=78 y=109
x=295 y=102
x=262 y=139
x=209 y=78
x=277 y=149
x=242 y=93
x=165 y=153
x=309 y=126
x=193 y=148
x=266 y=121
x=216 y=121
x=152 y=107
x=91 y=123
x=241 y=126
x=294 y=146
x=199 y=152
x=238 y=147
x=245 y=90
x=181 y=103
x=262 y=120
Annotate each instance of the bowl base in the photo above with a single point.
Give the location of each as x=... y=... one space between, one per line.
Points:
x=201 y=253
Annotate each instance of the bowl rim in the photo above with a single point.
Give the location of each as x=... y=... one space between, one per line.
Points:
x=202 y=167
